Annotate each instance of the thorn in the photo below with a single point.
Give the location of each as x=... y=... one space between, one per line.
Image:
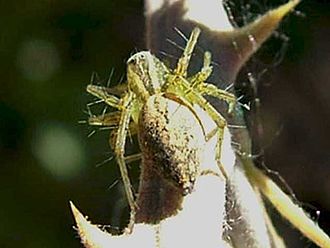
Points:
x=259 y=30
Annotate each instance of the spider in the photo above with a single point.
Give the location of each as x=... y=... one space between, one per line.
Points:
x=149 y=85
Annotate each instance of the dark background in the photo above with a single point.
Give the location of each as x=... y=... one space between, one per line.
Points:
x=48 y=51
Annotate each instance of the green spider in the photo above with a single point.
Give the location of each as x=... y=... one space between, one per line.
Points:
x=150 y=81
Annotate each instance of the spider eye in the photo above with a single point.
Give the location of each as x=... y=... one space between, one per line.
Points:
x=142 y=56
x=131 y=61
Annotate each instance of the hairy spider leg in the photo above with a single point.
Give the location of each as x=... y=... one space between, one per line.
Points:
x=182 y=88
x=126 y=102
x=195 y=90
x=198 y=84
x=198 y=80
x=125 y=105
x=183 y=63
x=111 y=120
x=105 y=120
x=204 y=73
x=197 y=98
x=101 y=93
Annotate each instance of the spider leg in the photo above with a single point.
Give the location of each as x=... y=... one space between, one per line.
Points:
x=196 y=97
x=103 y=94
x=126 y=104
x=204 y=73
x=133 y=158
x=219 y=133
x=218 y=155
x=118 y=90
x=194 y=92
x=183 y=101
x=212 y=90
x=121 y=119
x=198 y=83
x=111 y=120
x=182 y=66
x=105 y=120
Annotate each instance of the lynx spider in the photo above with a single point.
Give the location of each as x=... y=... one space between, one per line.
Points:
x=148 y=76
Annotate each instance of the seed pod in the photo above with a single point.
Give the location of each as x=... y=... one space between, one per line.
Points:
x=171 y=140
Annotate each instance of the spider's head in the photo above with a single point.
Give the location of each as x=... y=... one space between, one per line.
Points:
x=139 y=58
x=145 y=73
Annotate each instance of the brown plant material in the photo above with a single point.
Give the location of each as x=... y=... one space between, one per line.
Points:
x=171 y=158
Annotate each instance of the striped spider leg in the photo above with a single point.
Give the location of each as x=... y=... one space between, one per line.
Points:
x=194 y=88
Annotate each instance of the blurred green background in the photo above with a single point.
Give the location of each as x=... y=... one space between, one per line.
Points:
x=49 y=50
